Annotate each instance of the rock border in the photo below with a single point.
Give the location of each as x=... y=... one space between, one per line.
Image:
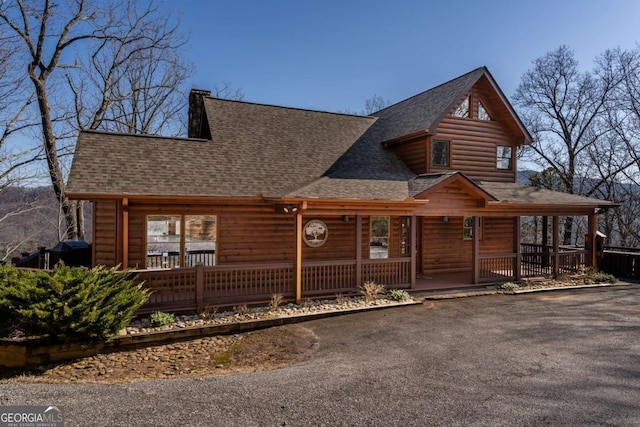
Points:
x=33 y=353
x=564 y=288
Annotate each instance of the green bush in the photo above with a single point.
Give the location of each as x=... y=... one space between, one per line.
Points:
x=398 y=295
x=10 y=277
x=600 y=277
x=68 y=303
x=509 y=287
x=160 y=318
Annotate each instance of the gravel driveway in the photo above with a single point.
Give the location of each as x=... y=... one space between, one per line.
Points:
x=552 y=358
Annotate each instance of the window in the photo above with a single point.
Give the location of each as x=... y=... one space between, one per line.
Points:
x=467 y=228
x=440 y=153
x=482 y=112
x=200 y=240
x=379 y=240
x=503 y=157
x=463 y=110
x=163 y=241
x=167 y=239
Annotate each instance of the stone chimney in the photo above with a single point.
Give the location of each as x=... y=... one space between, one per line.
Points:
x=196 y=127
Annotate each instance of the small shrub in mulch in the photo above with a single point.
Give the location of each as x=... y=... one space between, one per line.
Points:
x=370 y=290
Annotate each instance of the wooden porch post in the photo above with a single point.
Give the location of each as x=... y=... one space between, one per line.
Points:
x=413 y=249
x=298 y=262
x=475 y=251
x=591 y=239
x=358 y=250
x=518 y=249
x=199 y=287
x=556 y=247
x=125 y=233
x=545 y=240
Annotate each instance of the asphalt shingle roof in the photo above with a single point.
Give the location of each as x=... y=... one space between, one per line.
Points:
x=274 y=151
x=423 y=111
x=515 y=193
x=255 y=149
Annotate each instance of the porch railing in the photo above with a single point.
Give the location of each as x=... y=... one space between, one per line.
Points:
x=393 y=273
x=497 y=267
x=536 y=261
x=328 y=277
x=193 y=288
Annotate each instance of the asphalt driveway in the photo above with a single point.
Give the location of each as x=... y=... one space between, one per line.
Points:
x=553 y=358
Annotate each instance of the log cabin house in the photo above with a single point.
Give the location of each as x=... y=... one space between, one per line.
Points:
x=263 y=199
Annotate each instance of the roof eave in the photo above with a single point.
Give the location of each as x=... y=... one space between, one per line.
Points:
x=403 y=138
x=162 y=198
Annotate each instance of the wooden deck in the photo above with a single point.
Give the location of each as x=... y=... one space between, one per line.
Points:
x=443 y=282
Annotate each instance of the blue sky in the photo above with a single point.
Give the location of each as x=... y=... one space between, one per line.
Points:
x=333 y=55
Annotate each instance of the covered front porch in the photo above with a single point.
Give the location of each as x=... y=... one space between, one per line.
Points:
x=197 y=287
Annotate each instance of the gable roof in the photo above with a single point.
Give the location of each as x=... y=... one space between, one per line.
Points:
x=423 y=112
x=279 y=152
x=422 y=185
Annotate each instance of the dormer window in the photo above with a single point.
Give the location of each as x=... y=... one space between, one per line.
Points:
x=463 y=110
x=440 y=153
x=482 y=112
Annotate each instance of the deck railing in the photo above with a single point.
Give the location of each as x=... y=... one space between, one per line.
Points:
x=536 y=261
x=194 y=288
x=171 y=259
x=621 y=262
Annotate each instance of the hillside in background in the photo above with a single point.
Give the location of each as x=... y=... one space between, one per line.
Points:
x=36 y=224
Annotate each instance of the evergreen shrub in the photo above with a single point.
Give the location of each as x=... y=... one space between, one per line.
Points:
x=68 y=303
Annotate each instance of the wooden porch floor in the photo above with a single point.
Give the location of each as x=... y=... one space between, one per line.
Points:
x=444 y=281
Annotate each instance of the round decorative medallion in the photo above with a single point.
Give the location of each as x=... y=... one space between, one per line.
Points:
x=315 y=233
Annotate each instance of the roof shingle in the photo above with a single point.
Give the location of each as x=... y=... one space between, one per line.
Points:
x=273 y=151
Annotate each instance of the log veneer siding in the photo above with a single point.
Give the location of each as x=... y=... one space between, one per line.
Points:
x=105 y=232
x=473 y=142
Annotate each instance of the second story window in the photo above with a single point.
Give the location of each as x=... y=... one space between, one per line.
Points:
x=463 y=109
x=503 y=157
x=483 y=114
x=440 y=153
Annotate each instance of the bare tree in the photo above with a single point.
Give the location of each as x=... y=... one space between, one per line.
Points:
x=625 y=121
x=118 y=60
x=225 y=90
x=375 y=103
x=371 y=105
x=566 y=112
